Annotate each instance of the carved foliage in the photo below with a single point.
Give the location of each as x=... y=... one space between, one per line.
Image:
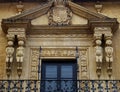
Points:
x=34 y=63
x=83 y=64
x=55 y=52
x=60 y=53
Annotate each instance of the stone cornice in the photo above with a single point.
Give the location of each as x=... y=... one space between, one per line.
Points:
x=21 y=23
x=78 y=29
x=108 y=22
x=83 y=12
x=94 y=20
x=34 y=12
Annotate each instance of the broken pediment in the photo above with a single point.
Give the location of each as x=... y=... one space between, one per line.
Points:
x=61 y=13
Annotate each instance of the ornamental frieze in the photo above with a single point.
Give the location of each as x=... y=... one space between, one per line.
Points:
x=63 y=35
x=60 y=52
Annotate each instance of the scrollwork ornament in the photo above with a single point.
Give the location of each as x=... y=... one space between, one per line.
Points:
x=59 y=14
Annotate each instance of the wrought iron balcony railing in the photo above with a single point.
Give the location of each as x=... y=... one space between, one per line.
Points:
x=60 y=86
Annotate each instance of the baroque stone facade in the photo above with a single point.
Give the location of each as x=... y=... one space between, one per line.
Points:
x=59 y=53
x=98 y=57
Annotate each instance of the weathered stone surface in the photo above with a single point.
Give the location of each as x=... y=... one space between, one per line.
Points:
x=110 y=9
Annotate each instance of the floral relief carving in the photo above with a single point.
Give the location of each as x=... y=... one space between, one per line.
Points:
x=59 y=52
x=52 y=52
x=34 y=63
x=84 y=64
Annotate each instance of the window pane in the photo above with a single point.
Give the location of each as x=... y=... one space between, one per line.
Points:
x=66 y=71
x=51 y=71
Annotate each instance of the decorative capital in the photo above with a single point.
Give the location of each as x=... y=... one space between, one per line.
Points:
x=10 y=37
x=102 y=30
x=97 y=36
x=108 y=36
x=21 y=37
x=16 y=30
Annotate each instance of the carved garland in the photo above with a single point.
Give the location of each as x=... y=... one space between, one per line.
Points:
x=60 y=53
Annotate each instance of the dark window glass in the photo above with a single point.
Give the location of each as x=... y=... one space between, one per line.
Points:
x=58 y=76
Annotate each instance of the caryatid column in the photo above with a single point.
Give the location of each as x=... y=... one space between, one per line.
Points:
x=20 y=53
x=108 y=52
x=9 y=53
x=98 y=52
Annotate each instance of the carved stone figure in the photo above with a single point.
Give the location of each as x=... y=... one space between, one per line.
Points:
x=99 y=54
x=20 y=52
x=99 y=51
x=9 y=54
x=109 y=51
x=109 y=55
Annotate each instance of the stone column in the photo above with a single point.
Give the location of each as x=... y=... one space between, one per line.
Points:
x=9 y=53
x=108 y=53
x=20 y=53
x=98 y=52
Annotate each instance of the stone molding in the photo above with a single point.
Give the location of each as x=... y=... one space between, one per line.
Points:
x=62 y=36
x=68 y=52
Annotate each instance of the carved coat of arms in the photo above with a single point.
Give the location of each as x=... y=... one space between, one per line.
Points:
x=59 y=15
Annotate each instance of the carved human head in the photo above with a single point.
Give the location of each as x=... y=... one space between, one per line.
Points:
x=10 y=43
x=21 y=43
x=108 y=42
x=98 y=42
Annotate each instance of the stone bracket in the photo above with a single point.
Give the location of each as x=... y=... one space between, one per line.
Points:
x=103 y=34
x=20 y=34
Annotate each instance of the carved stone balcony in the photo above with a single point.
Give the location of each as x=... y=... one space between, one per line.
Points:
x=59 y=86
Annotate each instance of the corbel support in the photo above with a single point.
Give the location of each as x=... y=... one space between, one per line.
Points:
x=20 y=53
x=98 y=52
x=107 y=32
x=21 y=37
x=9 y=53
x=108 y=52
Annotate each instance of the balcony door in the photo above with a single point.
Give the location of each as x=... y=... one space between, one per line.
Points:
x=58 y=75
